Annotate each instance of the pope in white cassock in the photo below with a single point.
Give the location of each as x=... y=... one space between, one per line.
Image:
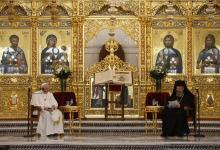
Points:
x=50 y=119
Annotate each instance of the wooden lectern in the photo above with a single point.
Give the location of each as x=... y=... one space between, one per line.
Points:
x=112 y=78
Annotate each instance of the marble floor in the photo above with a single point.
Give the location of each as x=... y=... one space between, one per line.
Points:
x=108 y=135
x=107 y=140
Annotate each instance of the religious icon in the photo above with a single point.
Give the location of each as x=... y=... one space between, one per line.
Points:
x=52 y=54
x=169 y=57
x=13 y=58
x=98 y=96
x=209 y=58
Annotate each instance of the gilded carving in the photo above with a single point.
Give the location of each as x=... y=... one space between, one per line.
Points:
x=109 y=7
x=13 y=102
x=109 y=10
x=15 y=9
x=81 y=7
x=142 y=7
x=189 y=51
x=206 y=80
x=109 y=61
x=114 y=62
x=169 y=9
x=138 y=19
x=209 y=104
x=58 y=23
x=168 y=23
x=92 y=27
x=209 y=8
x=54 y=8
x=19 y=24
x=210 y=23
x=15 y=80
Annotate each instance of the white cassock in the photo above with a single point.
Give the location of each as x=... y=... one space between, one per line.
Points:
x=49 y=122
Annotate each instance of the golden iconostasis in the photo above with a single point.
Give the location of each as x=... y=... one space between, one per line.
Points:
x=77 y=31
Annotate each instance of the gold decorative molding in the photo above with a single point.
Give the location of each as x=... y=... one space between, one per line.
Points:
x=168 y=23
x=63 y=23
x=206 y=80
x=15 y=80
x=209 y=23
x=170 y=79
x=22 y=23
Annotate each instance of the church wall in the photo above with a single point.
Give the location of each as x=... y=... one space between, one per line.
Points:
x=82 y=26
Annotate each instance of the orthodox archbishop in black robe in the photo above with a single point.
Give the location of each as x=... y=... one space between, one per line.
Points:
x=175 y=113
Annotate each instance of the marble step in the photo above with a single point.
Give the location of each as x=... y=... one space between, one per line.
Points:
x=101 y=123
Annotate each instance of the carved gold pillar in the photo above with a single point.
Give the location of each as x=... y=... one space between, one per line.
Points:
x=80 y=49
x=34 y=53
x=143 y=63
x=142 y=7
x=75 y=49
x=80 y=87
x=75 y=7
x=148 y=49
x=189 y=60
x=143 y=47
x=34 y=7
x=81 y=7
x=77 y=58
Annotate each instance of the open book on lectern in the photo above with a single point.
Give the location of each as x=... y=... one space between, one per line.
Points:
x=113 y=76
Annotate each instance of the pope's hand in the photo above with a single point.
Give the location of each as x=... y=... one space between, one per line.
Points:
x=48 y=109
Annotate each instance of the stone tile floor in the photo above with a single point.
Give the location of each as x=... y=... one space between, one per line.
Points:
x=106 y=140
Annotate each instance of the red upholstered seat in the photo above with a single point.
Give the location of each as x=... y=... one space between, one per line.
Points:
x=115 y=87
x=160 y=97
x=63 y=97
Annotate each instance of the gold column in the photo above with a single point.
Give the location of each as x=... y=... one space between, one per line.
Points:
x=78 y=58
x=189 y=59
x=143 y=63
x=34 y=53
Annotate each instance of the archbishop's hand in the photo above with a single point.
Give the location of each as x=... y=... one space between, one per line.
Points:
x=177 y=105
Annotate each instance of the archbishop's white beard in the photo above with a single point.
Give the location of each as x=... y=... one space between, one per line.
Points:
x=179 y=93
